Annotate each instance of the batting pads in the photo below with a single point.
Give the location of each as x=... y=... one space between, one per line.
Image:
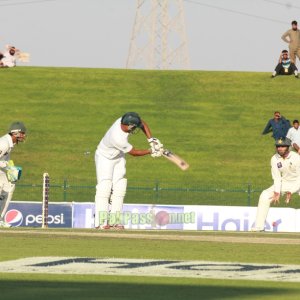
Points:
x=118 y=194
x=6 y=193
x=103 y=192
x=108 y=192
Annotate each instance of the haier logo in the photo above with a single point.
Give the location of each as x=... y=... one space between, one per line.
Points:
x=215 y=221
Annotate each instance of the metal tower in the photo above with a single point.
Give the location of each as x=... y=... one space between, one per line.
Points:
x=159 y=37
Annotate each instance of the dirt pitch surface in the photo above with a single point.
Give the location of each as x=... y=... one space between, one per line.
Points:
x=234 y=237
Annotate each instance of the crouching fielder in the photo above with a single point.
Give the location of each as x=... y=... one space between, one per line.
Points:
x=9 y=174
x=285 y=169
x=110 y=166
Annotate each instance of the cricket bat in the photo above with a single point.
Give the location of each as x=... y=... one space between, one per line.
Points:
x=178 y=161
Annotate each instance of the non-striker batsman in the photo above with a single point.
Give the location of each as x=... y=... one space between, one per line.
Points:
x=9 y=174
x=110 y=165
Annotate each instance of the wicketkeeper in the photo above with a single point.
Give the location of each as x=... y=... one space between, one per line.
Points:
x=110 y=165
x=285 y=169
x=9 y=173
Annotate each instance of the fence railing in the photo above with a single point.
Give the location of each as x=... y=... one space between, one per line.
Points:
x=152 y=193
x=156 y=192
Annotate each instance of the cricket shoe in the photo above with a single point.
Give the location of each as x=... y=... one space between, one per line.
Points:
x=253 y=229
x=117 y=227
x=4 y=224
x=103 y=227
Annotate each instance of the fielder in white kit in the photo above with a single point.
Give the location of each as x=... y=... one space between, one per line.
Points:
x=110 y=165
x=285 y=169
x=9 y=174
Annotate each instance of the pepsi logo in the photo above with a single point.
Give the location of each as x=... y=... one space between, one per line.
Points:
x=14 y=217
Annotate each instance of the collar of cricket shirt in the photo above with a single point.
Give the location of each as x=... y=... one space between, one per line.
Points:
x=10 y=141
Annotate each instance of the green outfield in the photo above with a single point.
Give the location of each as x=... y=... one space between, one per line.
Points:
x=213 y=119
x=18 y=243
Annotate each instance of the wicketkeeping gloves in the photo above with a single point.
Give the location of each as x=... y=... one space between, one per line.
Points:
x=13 y=172
x=4 y=164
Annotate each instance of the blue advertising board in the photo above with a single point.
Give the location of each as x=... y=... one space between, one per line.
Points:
x=21 y=213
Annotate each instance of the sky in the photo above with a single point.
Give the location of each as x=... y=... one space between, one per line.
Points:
x=224 y=35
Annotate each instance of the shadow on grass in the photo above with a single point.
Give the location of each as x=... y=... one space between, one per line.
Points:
x=44 y=290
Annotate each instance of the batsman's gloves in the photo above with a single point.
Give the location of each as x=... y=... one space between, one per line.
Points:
x=155 y=144
x=156 y=153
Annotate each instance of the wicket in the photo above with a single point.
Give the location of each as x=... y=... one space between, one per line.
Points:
x=45 y=204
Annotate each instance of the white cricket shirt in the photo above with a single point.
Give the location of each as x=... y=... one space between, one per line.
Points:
x=286 y=172
x=115 y=142
x=294 y=135
x=8 y=60
x=6 y=145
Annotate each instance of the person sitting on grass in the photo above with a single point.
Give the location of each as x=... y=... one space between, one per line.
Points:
x=8 y=58
x=285 y=66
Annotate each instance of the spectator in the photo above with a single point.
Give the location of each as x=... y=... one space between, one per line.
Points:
x=285 y=66
x=294 y=135
x=279 y=125
x=292 y=37
x=8 y=59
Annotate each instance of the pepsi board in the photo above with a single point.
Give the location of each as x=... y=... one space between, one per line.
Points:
x=29 y=214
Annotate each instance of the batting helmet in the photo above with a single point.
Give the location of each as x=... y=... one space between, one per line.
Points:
x=18 y=130
x=16 y=127
x=132 y=118
x=285 y=142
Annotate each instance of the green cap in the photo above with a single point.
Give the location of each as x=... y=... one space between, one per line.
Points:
x=283 y=142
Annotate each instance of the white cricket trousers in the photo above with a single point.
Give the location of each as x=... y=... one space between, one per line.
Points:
x=111 y=185
x=265 y=200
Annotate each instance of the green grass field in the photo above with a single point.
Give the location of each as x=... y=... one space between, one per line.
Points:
x=51 y=286
x=212 y=119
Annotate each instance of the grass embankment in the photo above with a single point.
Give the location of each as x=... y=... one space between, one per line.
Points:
x=212 y=119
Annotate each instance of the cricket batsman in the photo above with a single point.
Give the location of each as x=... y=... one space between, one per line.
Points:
x=285 y=169
x=9 y=173
x=110 y=166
